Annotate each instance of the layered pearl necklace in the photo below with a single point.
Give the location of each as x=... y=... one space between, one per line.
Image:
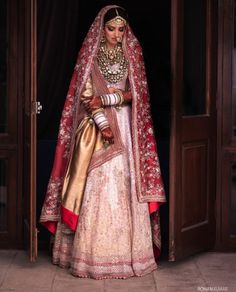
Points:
x=112 y=63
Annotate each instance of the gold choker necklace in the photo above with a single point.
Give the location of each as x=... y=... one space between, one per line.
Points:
x=110 y=57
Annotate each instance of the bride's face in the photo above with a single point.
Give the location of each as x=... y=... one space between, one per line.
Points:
x=113 y=33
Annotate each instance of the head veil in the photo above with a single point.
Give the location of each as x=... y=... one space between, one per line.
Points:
x=148 y=177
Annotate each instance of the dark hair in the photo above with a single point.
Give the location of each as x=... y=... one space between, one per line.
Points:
x=112 y=13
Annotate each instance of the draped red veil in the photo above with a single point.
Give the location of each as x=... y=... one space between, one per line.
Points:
x=148 y=176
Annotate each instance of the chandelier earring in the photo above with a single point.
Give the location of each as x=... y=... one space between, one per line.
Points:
x=103 y=39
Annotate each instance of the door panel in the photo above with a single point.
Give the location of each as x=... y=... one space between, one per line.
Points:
x=29 y=195
x=193 y=135
x=194 y=165
x=10 y=123
x=8 y=207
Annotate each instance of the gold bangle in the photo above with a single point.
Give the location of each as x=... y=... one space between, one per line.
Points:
x=119 y=92
x=102 y=100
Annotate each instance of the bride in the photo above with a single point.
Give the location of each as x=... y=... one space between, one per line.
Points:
x=105 y=187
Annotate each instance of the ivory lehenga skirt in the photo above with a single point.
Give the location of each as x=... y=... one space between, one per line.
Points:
x=113 y=237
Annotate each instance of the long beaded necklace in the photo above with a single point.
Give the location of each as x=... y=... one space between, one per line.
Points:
x=108 y=58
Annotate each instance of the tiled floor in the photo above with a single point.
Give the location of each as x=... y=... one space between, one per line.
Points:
x=203 y=272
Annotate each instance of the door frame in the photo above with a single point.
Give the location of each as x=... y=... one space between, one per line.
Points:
x=29 y=123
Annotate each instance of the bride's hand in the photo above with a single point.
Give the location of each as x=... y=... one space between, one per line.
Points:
x=107 y=135
x=112 y=89
x=127 y=96
x=93 y=104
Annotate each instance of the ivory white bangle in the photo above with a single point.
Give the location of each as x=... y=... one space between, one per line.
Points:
x=112 y=99
x=100 y=119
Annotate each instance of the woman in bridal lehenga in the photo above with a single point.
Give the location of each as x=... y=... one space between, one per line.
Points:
x=105 y=188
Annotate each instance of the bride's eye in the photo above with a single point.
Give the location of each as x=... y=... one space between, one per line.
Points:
x=110 y=28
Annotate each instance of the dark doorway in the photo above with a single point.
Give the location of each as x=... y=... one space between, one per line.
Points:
x=62 y=27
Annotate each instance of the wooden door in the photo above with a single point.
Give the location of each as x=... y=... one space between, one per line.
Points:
x=226 y=178
x=10 y=125
x=30 y=111
x=193 y=128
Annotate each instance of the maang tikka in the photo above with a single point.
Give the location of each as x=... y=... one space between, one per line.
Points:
x=118 y=20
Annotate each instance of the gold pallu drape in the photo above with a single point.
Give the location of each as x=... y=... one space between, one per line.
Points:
x=87 y=140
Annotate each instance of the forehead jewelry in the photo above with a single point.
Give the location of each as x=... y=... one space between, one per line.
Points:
x=118 y=20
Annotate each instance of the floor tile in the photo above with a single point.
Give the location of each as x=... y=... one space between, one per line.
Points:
x=131 y=289
x=180 y=274
x=6 y=259
x=177 y=289
x=78 y=286
x=145 y=281
x=25 y=289
x=196 y=273
x=25 y=275
x=218 y=269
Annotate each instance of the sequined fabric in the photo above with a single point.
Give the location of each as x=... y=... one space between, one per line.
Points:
x=113 y=238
